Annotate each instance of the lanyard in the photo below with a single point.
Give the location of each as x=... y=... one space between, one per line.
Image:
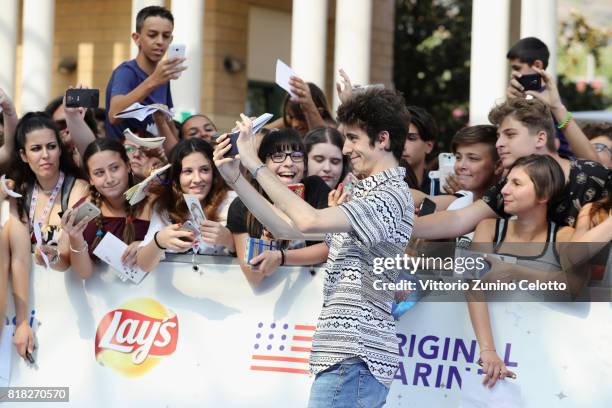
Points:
x=50 y=203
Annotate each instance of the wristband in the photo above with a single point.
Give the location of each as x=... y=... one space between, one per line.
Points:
x=563 y=125
x=157 y=242
x=80 y=251
x=254 y=173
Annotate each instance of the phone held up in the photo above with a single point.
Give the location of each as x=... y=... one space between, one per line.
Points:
x=531 y=82
x=82 y=98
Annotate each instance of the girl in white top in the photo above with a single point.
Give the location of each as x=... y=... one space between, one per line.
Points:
x=192 y=172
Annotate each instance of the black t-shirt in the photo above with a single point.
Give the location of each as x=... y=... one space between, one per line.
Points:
x=588 y=181
x=315 y=194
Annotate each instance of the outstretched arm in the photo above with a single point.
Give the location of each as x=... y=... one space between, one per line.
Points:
x=10 y=124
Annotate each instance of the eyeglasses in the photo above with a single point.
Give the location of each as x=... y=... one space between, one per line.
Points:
x=600 y=147
x=296 y=157
x=61 y=124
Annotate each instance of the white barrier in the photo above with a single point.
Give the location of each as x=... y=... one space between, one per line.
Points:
x=219 y=343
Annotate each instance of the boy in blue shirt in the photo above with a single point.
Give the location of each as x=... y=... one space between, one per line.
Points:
x=145 y=79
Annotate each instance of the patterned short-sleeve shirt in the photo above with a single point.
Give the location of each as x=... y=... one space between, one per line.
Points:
x=356 y=318
x=588 y=181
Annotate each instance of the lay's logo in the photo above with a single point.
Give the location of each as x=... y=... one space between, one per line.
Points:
x=134 y=338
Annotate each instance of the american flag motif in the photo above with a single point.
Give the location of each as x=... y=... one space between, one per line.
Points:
x=282 y=347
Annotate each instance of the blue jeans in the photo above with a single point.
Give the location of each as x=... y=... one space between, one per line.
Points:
x=348 y=384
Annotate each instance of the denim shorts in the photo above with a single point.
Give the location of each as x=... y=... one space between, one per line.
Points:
x=348 y=384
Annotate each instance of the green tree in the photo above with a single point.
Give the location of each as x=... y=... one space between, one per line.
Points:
x=432 y=59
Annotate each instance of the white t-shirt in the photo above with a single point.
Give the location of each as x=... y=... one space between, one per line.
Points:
x=160 y=221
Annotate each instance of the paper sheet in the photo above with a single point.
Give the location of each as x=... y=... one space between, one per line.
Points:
x=6 y=190
x=6 y=350
x=505 y=393
x=148 y=142
x=110 y=249
x=283 y=73
x=137 y=192
x=39 y=244
x=195 y=208
x=140 y=112
x=4 y=213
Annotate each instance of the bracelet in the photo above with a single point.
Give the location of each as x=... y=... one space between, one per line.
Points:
x=282 y=251
x=237 y=177
x=493 y=350
x=157 y=242
x=79 y=251
x=254 y=173
x=563 y=125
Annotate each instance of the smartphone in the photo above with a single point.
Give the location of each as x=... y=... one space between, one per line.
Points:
x=427 y=207
x=446 y=166
x=176 y=51
x=86 y=209
x=531 y=82
x=191 y=227
x=82 y=98
x=258 y=123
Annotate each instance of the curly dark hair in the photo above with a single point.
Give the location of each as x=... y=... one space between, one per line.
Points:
x=171 y=198
x=20 y=171
x=375 y=111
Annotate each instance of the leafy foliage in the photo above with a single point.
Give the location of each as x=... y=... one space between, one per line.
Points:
x=432 y=59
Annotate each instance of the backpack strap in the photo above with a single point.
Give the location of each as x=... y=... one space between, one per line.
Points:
x=66 y=189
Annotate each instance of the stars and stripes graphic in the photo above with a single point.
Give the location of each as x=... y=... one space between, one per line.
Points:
x=282 y=347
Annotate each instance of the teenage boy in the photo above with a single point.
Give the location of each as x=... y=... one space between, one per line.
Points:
x=144 y=79
x=524 y=127
x=477 y=165
x=354 y=349
x=420 y=141
x=530 y=56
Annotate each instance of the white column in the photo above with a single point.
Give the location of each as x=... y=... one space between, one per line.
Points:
x=309 y=39
x=353 y=40
x=36 y=65
x=8 y=46
x=189 y=30
x=488 y=66
x=539 y=19
x=138 y=5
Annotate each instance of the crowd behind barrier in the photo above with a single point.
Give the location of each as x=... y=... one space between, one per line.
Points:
x=350 y=190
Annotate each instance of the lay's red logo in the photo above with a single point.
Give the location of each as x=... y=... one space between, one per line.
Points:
x=135 y=337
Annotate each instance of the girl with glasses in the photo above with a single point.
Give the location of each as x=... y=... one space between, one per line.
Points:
x=284 y=154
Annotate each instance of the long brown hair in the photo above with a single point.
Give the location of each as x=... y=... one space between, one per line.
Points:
x=171 y=198
x=101 y=145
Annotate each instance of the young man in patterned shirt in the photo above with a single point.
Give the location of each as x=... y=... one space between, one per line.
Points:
x=354 y=349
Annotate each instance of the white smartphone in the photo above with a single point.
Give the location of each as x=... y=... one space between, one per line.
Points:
x=176 y=51
x=86 y=209
x=446 y=166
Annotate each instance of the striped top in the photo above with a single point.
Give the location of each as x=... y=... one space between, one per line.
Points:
x=356 y=318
